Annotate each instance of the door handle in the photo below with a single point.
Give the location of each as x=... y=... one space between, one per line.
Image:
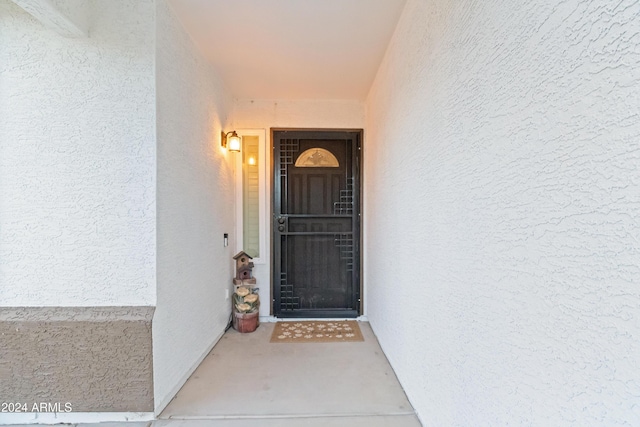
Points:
x=281 y=228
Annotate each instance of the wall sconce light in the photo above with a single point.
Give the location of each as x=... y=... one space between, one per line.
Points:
x=231 y=140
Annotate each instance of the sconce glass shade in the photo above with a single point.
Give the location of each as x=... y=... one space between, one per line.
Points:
x=231 y=141
x=234 y=142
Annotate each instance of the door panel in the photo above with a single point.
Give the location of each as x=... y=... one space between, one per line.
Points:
x=316 y=223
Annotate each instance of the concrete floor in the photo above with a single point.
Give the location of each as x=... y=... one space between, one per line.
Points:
x=248 y=381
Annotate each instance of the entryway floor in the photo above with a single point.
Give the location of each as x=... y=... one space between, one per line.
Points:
x=247 y=381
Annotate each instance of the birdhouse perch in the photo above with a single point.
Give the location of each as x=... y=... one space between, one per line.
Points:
x=244 y=267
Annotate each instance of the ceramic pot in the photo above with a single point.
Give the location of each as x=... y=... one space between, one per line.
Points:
x=245 y=322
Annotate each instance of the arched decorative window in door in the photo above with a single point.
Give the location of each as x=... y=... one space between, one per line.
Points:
x=317 y=158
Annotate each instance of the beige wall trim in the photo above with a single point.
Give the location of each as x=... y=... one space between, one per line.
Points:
x=95 y=359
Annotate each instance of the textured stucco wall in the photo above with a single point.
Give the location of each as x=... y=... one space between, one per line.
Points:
x=266 y=114
x=77 y=159
x=96 y=359
x=77 y=11
x=195 y=207
x=502 y=200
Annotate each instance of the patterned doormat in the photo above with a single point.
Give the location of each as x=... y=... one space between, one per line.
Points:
x=317 y=331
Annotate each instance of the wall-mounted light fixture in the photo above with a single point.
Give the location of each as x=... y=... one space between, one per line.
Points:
x=231 y=140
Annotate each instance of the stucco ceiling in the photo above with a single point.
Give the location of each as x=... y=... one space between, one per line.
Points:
x=293 y=49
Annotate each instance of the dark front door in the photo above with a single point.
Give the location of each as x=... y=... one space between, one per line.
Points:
x=316 y=223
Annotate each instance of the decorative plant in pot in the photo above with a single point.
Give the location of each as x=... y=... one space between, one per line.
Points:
x=246 y=304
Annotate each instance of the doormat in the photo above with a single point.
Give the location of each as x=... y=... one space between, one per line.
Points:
x=317 y=331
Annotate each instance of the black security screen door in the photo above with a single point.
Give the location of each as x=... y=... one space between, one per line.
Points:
x=316 y=223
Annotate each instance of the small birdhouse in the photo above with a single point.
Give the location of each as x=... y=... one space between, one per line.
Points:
x=244 y=268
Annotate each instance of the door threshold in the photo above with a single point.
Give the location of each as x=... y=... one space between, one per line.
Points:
x=274 y=319
x=319 y=314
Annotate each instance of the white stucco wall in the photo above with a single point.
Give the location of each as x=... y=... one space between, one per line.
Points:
x=502 y=200
x=77 y=159
x=266 y=114
x=195 y=208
